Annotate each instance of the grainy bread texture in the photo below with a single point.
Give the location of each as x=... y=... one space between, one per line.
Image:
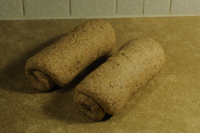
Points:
x=63 y=60
x=108 y=87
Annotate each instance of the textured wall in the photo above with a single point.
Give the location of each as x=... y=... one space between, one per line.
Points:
x=54 y=9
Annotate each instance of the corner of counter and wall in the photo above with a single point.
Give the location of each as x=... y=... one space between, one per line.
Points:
x=74 y=9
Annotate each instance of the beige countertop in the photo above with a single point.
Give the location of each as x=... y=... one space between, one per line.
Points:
x=170 y=102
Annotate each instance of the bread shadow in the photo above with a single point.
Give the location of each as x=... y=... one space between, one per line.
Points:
x=13 y=76
x=62 y=106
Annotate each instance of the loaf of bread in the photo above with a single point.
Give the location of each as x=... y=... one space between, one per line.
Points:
x=60 y=62
x=107 y=88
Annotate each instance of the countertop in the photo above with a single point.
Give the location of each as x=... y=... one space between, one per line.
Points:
x=168 y=103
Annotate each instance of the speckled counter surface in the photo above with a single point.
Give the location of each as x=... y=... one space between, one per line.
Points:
x=170 y=102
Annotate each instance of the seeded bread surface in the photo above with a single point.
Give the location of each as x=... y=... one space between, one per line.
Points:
x=111 y=84
x=64 y=59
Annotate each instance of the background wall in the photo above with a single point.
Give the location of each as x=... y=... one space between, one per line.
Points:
x=67 y=9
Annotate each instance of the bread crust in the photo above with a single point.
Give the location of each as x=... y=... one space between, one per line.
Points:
x=63 y=60
x=112 y=84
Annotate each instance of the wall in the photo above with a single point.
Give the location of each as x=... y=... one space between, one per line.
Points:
x=70 y=9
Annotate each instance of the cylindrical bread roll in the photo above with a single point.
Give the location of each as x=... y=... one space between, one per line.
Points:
x=64 y=59
x=107 y=88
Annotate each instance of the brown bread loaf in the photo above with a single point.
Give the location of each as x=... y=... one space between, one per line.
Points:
x=63 y=60
x=108 y=87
